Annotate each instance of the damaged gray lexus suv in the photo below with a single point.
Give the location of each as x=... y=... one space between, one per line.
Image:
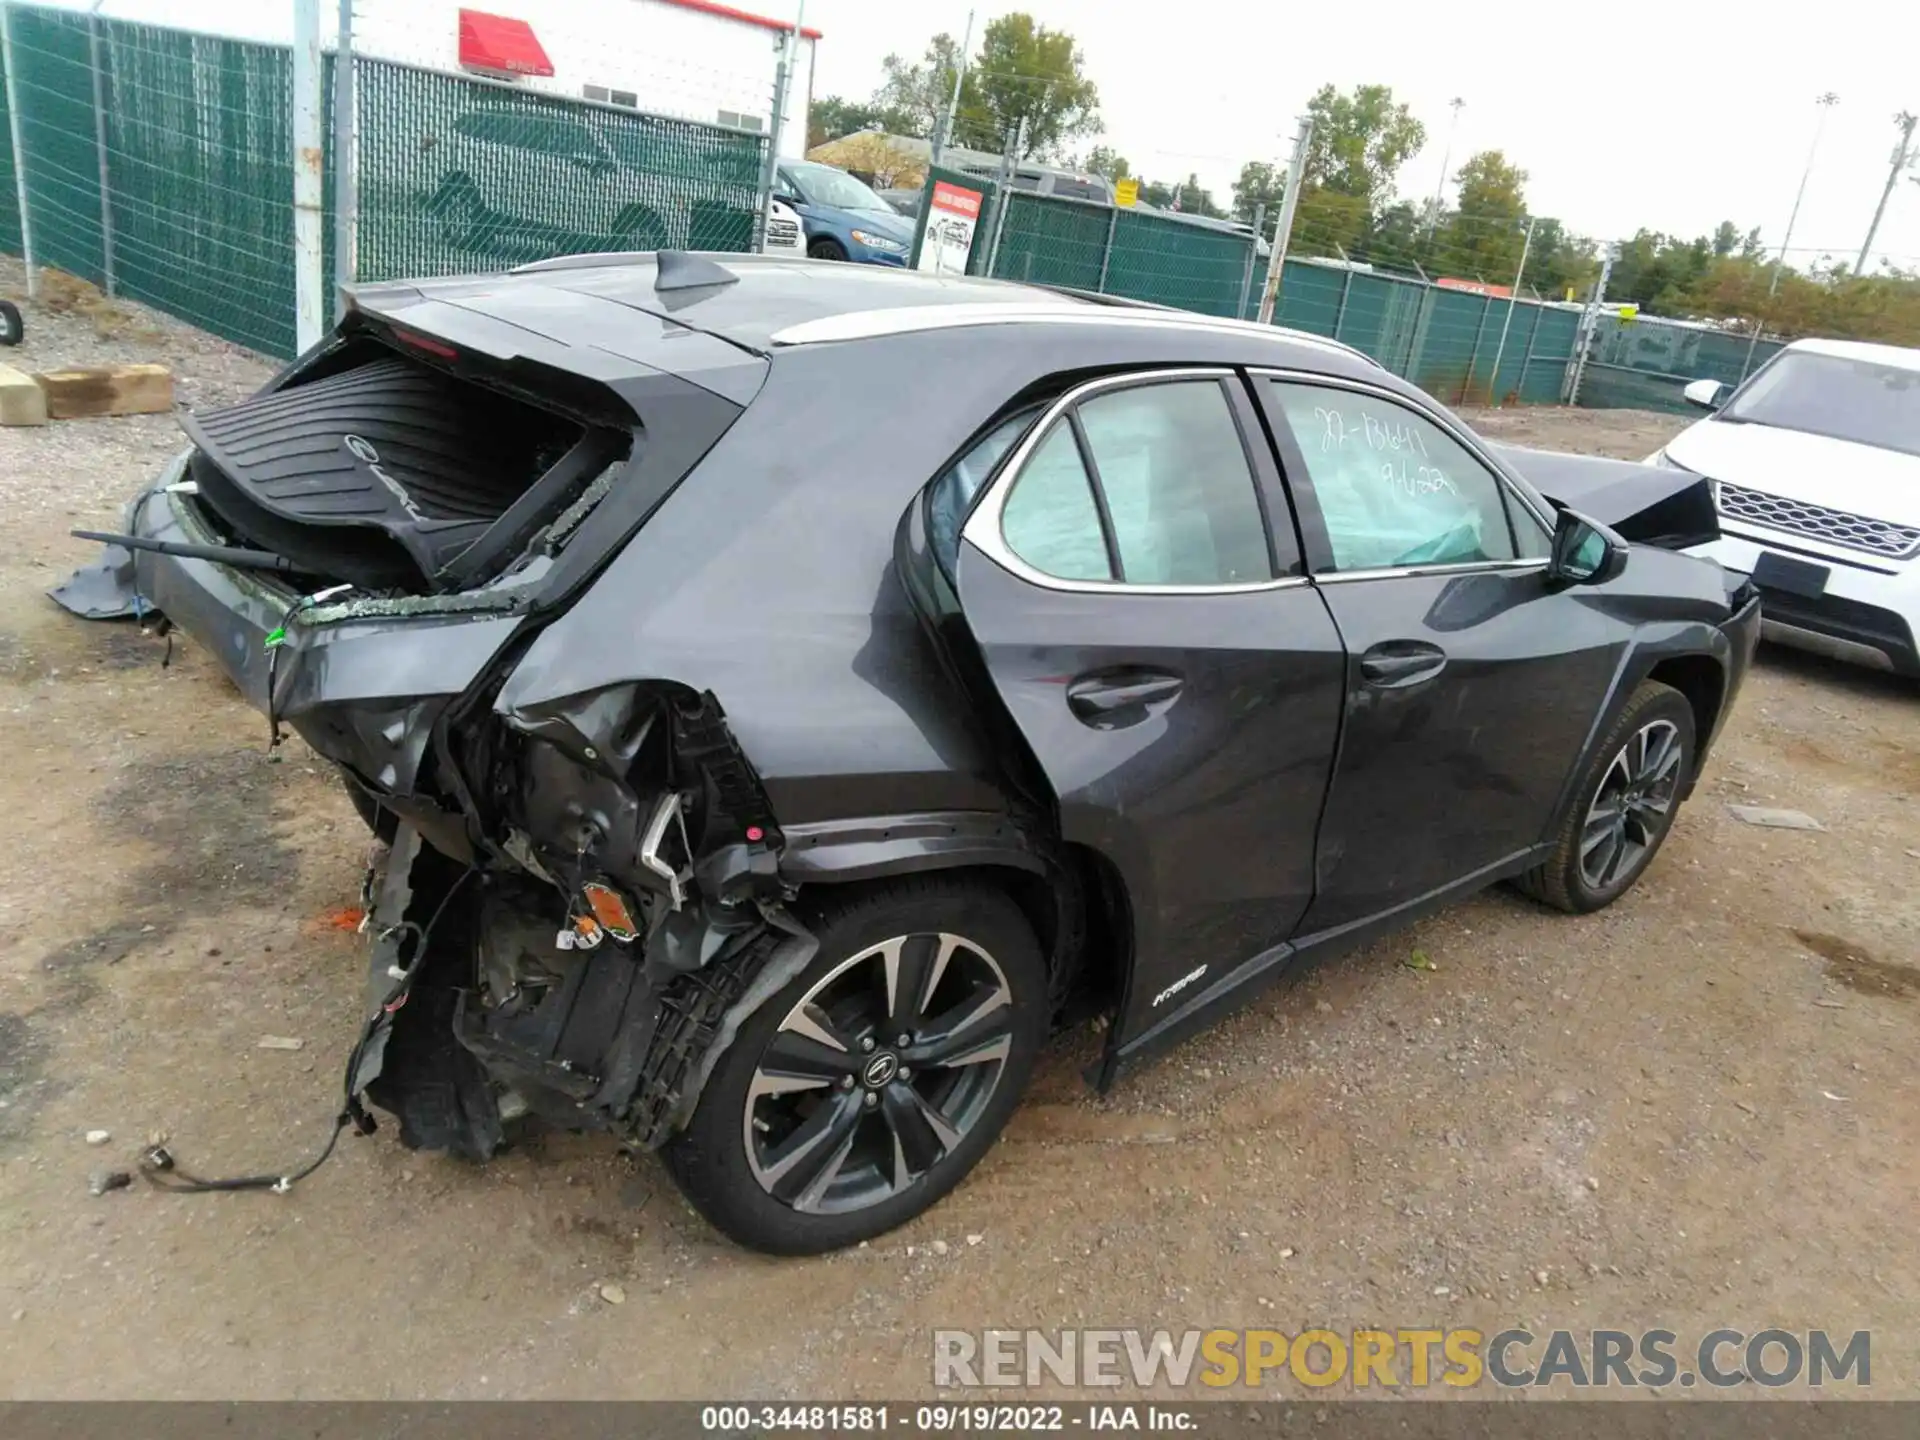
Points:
x=790 y=693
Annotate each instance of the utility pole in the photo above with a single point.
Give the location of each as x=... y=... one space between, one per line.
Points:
x=1446 y=160
x=1906 y=120
x=346 y=180
x=309 y=286
x=1826 y=102
x=1283 y=227
x=943 y=131
x=1526 y=249
x=782 y=78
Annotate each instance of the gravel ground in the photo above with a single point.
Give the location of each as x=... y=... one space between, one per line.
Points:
x=1697 y=1108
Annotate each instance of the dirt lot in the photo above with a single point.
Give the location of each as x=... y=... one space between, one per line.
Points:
x=1698 y=1108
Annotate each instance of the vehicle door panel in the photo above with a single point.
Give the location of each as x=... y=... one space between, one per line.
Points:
x=1185 y=730
x=1471 y=680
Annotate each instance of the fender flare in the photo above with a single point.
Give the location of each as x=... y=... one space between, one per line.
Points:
x=1700 y=639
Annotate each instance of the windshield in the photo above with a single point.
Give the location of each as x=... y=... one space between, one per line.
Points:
x=1842 y=399
x=824 y=185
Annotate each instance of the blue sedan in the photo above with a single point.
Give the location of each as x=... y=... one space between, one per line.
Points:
x=844 y=219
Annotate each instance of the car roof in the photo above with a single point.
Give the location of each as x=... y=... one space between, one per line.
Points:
x=1898 y=356
x=775 y=303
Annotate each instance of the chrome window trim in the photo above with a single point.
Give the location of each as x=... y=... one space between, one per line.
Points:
x=909 y=319
x=983 y=528
x=1402 y=572
x=1466 y=439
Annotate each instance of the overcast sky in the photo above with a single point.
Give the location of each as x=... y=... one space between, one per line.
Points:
x=1672 y=116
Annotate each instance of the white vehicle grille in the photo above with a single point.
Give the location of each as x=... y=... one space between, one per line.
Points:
x=1817 y=522
x=782 y=232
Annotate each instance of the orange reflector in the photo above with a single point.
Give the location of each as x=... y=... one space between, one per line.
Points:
x=609 y=907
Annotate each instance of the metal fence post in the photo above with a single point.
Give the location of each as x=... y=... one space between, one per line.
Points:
x=1473 y=355
x=1106 y=255
x=309 y=284
x=19 y=149
x=1253 y=260
x=1003 y=196
x=1346 y=289
x=1526 y=246
x=782 y=77
x=346 y=165
x=1589 y=323
x=1520 y=390
x=100 y=149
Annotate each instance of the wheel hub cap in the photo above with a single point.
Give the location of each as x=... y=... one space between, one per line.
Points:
x=1632 y=806
x=837 y=1122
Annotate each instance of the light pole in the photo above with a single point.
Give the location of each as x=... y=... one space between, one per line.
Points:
x=1446 y=160
x=1826 y=102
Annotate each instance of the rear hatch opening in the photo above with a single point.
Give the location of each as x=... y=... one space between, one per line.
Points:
x=394 y=474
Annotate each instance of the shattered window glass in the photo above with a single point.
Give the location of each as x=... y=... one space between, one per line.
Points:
x=953 y=493
x=1394 y=488
x=1049 y=520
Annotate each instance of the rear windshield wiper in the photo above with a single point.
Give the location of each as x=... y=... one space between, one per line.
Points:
x=220 y=554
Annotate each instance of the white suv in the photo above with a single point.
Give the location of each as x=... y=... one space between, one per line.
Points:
x=1815 y=464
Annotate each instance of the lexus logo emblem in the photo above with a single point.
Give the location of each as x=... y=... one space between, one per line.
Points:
x=881 y=1069
x=361 y=450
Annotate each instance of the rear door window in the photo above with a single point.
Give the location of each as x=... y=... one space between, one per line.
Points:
x=1148 y=484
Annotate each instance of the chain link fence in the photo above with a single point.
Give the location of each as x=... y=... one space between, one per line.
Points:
x=459 y=174
x=158 y=164
x=1643 y=364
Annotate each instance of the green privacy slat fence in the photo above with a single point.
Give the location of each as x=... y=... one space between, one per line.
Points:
x=1445 y=341
x=198 y=147
x=459 y=175
x=9 y=193
x=1646 y=363
x=193 y=131
x=1172 y=262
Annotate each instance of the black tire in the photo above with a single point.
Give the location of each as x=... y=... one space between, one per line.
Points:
x=826 y=248
x=866 y=1193
x=1596 y=859
x=12 y=328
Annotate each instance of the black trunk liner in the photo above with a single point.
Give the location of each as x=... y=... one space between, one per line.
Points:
x=381 y=475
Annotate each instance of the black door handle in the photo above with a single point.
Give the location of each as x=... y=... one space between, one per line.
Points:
x=1109 y=698
x=1401 y=663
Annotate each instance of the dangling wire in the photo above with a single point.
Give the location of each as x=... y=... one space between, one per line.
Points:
x=158 y=1167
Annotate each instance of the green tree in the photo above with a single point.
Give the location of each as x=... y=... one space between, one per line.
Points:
x=1156 y=193
x=1397 y=238
x=1360 y=140
x=1104 y=160
x=830 y=117
x=1029 y=73
x=1259 y=184
x=912 y=98
x=1561 y=262
x=1483 y=236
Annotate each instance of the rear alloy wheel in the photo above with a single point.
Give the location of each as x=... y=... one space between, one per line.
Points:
x=862 y=1093
x=1625 y=807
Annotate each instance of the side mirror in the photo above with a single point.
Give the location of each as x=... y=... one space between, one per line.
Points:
x=1585 y=552
x=788 y=198
x=1707 y=394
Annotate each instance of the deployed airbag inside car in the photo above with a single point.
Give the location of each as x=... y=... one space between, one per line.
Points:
x=383 y=475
